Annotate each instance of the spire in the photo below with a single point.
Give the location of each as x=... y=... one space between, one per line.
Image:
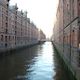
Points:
x=16 y=6
x=21 y=12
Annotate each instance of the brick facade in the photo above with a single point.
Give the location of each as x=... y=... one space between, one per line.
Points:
x=67 y=33
x=16 y=30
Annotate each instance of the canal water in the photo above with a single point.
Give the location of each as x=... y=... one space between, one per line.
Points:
x=38 y=62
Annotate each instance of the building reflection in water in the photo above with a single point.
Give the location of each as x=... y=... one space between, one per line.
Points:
x=17 y=63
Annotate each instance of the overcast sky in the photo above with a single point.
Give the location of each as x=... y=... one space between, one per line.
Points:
x=41 y=12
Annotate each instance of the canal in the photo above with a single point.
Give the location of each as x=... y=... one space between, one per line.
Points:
x=38 y=62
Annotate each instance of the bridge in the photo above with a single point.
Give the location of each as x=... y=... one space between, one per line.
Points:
x=45 y=40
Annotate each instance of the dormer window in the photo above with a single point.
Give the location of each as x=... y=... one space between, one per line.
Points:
x=8 y=0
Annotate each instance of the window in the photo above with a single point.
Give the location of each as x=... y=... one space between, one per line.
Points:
x=8 y=0
x=5 y=44
x=6 y=30
x=7 y=5
x=13 y=37
x=6 y=38
x=6 y=24
x=1 y=37
x=79 y=60
x=73 y=30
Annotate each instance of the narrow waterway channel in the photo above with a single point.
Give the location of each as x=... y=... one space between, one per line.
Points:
x=39 y=62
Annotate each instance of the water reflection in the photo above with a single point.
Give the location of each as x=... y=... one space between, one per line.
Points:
x=36 y=63
x=14 y=65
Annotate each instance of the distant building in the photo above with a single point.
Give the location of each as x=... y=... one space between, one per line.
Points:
x=42 y=36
